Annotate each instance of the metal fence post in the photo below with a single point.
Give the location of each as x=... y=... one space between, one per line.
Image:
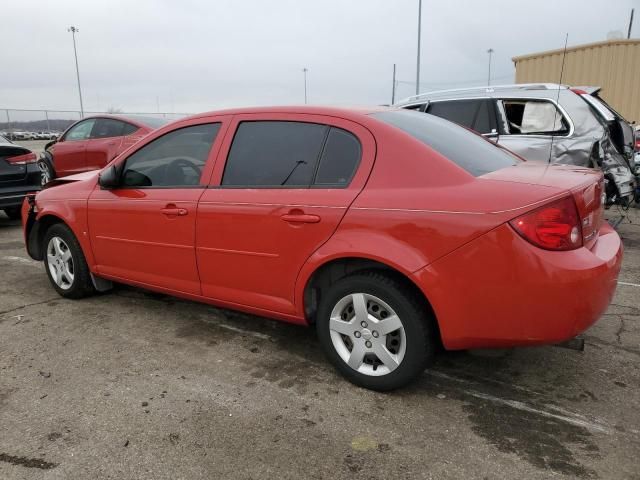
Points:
x=46 y=114
x=8 y=119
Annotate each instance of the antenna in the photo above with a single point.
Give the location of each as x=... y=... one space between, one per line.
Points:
x=555 y=113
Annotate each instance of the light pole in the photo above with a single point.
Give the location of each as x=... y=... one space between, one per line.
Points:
x=304 y=71
x=490 y=52
x=73 y=31
x=418 y=55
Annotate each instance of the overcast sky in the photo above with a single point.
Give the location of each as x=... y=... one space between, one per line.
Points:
x=197 y=55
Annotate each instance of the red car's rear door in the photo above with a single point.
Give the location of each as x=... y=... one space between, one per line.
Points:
x=287 y=181
x=69 y=153
x=144 y=231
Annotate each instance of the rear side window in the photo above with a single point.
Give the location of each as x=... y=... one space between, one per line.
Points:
x=284 y=154
x=129 y=128
x=466 y=149
x=173 y=160
x=107 y=127
x=339 y=160
x=473 y=114
x=534 y=117
x=274 y=154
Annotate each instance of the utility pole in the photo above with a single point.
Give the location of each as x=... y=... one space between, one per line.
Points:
x=393 y=87
x=73 y=31
x=418 y=56
x=304 y=71
x=490 y=52
x=630 y=24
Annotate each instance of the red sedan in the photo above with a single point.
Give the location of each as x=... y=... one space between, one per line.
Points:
x=391 y=231
x=93 y=142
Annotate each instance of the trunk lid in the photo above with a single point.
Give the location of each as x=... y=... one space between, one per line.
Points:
x=12 y=174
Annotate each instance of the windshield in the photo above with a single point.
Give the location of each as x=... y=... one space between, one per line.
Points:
x=466 y=149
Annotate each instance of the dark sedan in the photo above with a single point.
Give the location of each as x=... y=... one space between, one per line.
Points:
x=19 y=174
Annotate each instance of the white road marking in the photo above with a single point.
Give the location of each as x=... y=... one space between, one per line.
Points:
x=567 y=416
x=22 y=260
x=629 y=284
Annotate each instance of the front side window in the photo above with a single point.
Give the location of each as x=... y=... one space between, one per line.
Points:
x=174 y=160
x=80 y=131
x=534 y=117
x=473 y=114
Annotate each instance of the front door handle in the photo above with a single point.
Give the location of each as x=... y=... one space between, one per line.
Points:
x=173 y=211
x=300 y=218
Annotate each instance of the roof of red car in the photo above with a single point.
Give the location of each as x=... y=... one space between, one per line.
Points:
x=311 y=109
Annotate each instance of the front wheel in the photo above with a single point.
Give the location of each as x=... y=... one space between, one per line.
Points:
x=46 y=171
x=375 y=330
x=65 y=264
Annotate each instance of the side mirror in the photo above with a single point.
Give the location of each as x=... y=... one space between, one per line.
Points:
x=109 y=178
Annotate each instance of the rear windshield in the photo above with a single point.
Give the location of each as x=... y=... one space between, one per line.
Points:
x=466 y=149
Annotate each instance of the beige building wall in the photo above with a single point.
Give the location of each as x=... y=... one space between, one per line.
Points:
x=613 y=65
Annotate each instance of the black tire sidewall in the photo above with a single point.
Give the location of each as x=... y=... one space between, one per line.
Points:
x=419 y=342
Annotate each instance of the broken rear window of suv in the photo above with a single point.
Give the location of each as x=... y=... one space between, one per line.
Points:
x=468 y=150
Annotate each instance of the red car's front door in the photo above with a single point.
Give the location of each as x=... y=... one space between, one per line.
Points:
x=144 y=231
x=284 y=188
x=69 y=153
x=108 y=139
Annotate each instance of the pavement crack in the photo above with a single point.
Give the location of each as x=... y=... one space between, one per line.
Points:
x=3 y=312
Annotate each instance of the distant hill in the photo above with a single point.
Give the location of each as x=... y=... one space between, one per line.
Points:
x=37 y=125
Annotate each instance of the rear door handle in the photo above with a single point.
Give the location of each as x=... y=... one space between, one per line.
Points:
x=173 y=211
x=300 y=218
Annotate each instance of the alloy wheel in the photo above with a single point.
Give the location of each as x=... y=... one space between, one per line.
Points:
x=45 y=172
x=367 y=334
x=60 y=263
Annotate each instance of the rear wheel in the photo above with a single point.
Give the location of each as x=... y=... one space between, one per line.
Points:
x=65 y=264
x=14 y=213
x=375 y=330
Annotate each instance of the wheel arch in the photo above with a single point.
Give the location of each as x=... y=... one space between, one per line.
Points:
x=333 y=269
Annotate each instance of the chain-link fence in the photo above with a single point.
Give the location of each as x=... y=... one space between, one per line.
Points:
x=32 y=120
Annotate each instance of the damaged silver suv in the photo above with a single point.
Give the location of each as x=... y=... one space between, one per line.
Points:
x=546 y=122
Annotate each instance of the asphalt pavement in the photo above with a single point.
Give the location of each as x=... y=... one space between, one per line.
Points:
x=137 y=385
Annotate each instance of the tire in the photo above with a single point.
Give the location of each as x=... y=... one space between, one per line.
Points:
x=411 y=346
x=14 y=213
x=46 y=171
x=61 y=247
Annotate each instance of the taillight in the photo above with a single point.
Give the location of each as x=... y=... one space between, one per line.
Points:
x=23 y=159
x=555 y=226
x=637 y=147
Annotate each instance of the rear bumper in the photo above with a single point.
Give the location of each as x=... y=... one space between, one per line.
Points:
x=12 y=196
x=501 y=291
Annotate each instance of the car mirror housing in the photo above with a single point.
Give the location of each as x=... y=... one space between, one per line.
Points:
x=109 y=178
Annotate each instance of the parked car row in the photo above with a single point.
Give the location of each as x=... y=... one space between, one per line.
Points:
x=393 y=232
x=547 y=123
x=24 y=135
